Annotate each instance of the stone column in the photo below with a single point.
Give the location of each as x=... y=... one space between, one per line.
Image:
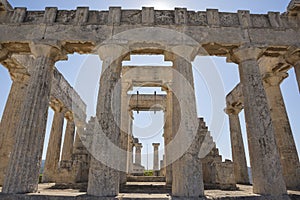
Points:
x=130 y=154
x=168 y=137
x=125 y=120
x=66 y=157
x=264 y=156
x=24 y=165
x=54 y=144
x=155 y=156
x=10 y=119
x=237 y=147
x=187 y=169
x=283 y=133
x=104 y=180
x=138 y=153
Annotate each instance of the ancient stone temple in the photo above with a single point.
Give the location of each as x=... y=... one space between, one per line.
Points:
x=100 y=158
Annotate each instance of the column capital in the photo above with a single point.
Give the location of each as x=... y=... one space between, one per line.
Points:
x=69 y=115
x=112 y=52
x=245 y=53
x=187 y=52
x=233 y=110
x=51 y=49
x=4 y=53
x=19 y=75
x=292 y=56
x=274 y=78
x=56 y=105
x=155 y=145
x=138 y=145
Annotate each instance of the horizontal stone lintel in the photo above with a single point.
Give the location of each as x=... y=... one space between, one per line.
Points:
x=115 y=16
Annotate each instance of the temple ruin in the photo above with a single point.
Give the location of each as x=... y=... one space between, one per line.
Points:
x=98 y=157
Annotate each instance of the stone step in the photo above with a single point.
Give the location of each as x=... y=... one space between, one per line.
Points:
x=146 y=187
x=146 y=179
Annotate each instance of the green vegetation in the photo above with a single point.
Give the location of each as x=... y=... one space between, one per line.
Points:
x=148 y=173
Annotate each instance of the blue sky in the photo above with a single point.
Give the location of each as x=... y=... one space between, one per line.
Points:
x=79 y=69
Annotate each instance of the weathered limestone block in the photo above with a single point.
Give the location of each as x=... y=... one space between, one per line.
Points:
x=187 y=170
x=10 y=119
x=264 y=156
x=23 y=171
x=237 y=146
x=148 y=15
x=225 y=175
x=283 y=133
x=54 y=144
x=50 y=15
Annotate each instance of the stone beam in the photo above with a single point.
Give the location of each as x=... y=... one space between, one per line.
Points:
x=145 y=102
x=60 y=89
x=5 y=6
x=273 y=29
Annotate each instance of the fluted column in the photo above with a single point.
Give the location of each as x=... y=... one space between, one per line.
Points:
x=283 y=133
x=138 y=153
x=264 y=156
x=130 y=154
x=104 y=180
x=24 y=165
x=125 y=120
x=54 y=144
x=67 y=150
x=237 y=147
x=155 y=156
x=168 y=138
x=10 y=119
x=187 y=169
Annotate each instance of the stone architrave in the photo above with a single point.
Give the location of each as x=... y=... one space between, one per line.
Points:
x=264 y=156
x=24 y=165
x=283 y=133
x=237 y=146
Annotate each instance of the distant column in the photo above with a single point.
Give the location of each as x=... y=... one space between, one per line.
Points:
x=67 y=151
x=138 y=153
x=237 y=147
x=155 y=156
x=54 y=144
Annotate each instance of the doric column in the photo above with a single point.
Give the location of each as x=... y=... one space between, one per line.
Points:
x=155 y=156
x=138 y=153
x=168 y=137
x=104 y=180
x=237 y=146
x=67 y=151
x=54 y=144
x=130 y=154
x=283 y=133
x=10 y=119
x=23 y=171
x=264 y=156
x=125 y=123
x=187 y=179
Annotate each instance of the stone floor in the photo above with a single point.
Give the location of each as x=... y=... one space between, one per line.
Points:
x=44 y=193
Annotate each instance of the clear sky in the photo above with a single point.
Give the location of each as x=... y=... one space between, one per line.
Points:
x=80 y=68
